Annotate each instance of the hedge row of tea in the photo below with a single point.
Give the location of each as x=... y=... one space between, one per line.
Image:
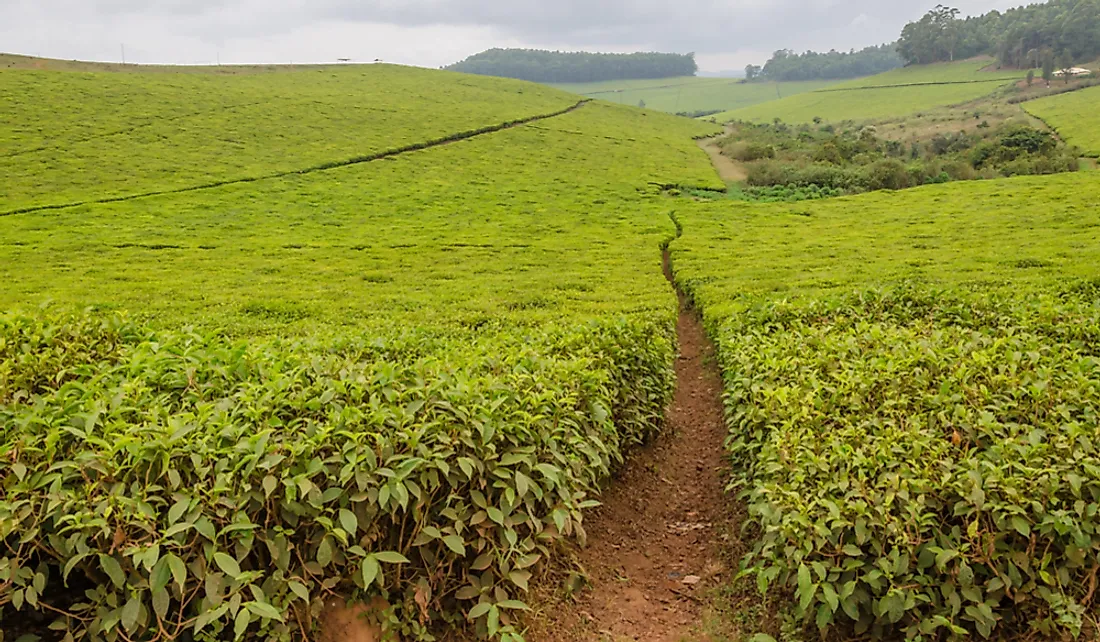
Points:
x=913 y=392
x=401 y=380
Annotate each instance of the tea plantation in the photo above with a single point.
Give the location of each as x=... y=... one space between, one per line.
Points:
x=406 y=377
x=692 y=94
x=1074 y=115
x=892 y=94
x=912 y=387
x=386 y=333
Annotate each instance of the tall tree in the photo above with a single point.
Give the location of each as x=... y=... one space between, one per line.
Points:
x=1016 y=37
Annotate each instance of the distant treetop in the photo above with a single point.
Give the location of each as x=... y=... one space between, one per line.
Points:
x=786 y=65
x=569 y=67
x=1024 y=37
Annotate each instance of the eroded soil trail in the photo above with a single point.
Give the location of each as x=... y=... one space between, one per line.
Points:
x=654 y=546
x=730 y=170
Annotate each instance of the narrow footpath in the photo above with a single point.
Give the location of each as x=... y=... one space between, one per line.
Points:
x=730 y=170
x=654 y=547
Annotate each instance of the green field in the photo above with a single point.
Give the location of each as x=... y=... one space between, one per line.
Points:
x=398 y=352
x=944 y=72
x=114 y=135
x=913 y=386
x=267 y=339
x=1074 y=116
x=691 y=94
x=893 y=94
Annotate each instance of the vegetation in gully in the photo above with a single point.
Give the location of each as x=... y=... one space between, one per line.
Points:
x=796 y=163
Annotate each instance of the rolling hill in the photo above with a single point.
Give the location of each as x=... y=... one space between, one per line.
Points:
x=892 y=94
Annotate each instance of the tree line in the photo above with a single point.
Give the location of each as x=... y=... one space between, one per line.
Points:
x=1058 y=32
x=573 y=67
x=786 y=65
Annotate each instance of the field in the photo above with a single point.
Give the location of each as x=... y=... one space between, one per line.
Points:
x=912 y=387
x=118 y=135
x=967 y=71
x=692 y=94
x=1074 y=116
x=370 y=371
x=269 y=340
x=893 y=94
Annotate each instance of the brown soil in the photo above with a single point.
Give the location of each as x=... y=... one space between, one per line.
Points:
x=729 y=169
x=655 y=546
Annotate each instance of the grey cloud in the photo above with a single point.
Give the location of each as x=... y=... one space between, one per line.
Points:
x=705 y=26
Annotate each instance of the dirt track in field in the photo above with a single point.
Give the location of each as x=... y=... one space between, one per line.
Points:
x=654 y=546
x=729 y=169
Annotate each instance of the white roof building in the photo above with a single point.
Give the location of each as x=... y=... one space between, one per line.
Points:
x=1074 y=71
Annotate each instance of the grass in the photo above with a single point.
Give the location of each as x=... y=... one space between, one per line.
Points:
x=893 y=94
x=1074 y=116
x=691 y=94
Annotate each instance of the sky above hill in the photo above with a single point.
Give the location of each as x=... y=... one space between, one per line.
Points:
x=725 y=34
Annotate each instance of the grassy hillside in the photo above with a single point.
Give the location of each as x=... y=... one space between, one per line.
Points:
x=340 y=378
x=895 y=93
x=944 y=72
x=113 y=135
x=910 y=378
x=1074 y=116
x=691 y=94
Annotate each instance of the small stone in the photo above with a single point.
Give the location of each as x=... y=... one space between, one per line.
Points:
x=691 y=580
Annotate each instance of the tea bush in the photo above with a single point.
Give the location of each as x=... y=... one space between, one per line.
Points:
x=912 y=386
x=189 y=484
x=915 y=462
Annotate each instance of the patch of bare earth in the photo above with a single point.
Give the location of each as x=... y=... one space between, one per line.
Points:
x=729 y=169
x=655 y=547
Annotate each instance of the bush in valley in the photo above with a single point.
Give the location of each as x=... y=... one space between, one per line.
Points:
x=852 y=159
x=700 y=113
x=750 y=151
x=173 y=485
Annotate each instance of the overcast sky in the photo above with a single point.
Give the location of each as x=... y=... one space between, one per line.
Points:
x=725 y=34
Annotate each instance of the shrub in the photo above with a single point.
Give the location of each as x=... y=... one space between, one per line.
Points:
x=751 y=151
x=888 y=173
x=920 y=464
x=162 y=485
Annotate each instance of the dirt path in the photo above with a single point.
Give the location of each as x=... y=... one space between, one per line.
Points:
x=729 y=169
x=654 y=546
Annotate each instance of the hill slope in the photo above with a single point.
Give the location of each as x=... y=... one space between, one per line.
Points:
x=892 y=94
x=337 y=363
x=116 y=135
x=691 y=94
x=1074 y=116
